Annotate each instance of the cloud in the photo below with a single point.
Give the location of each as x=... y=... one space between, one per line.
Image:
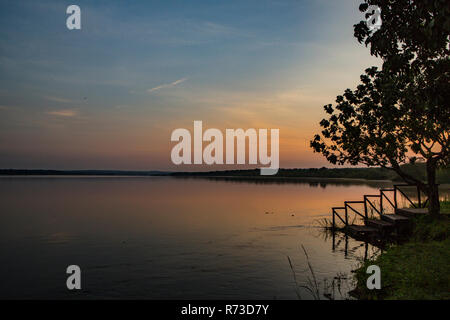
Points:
x=58 y=99
x=167 y=85
x=63 y=113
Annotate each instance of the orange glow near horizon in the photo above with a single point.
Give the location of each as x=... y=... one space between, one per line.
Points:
x=110 y=98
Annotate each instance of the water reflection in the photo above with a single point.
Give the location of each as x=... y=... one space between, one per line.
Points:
x=312 y=182
x=169 y=238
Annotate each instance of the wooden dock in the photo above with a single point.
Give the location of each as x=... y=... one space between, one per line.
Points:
x=411 y=212
x=382 y=225
x=358 y=231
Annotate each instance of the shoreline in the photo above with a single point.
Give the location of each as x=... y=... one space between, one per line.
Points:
x=221 y=178
x=344 y=175
x=256 y=179
x=402 y=265
x=281 y=177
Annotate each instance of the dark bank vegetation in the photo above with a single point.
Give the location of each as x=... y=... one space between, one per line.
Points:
x=417 y=169
x=398 y=113
x=46 y=172
x=417 y=269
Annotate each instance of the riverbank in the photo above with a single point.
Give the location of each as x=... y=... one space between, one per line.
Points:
x=373 y=173
x=417 y=269
x=350 y=174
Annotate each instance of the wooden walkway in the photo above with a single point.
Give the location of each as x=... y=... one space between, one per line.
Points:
x=361 y=231
x=382 y=224
x=412 y=212
x=400 y=223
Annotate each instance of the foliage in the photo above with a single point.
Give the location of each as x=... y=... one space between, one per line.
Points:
x=414 y=270
x=418 y=170
x=402 y=111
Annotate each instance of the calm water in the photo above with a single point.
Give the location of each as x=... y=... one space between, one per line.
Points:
x=162 y=237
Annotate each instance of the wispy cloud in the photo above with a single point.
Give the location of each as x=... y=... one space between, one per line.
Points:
x=58 y=99
x=167 y=85
x=63 y=113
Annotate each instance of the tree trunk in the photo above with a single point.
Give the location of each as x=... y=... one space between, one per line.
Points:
x=434 y=208
x=430 y=189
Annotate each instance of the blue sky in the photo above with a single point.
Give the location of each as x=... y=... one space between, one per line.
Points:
x=108 y=96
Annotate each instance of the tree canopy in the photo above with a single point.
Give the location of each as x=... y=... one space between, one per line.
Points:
x=402 y=111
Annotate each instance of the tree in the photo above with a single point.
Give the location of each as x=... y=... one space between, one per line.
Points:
x=402 y=111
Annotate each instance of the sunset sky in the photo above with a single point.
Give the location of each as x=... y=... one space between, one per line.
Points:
x=108 y=96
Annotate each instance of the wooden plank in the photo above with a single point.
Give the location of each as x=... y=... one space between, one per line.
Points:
x=395 y=218
x=362 y=228
x=361 y=231
x=379 y=224
x=411 y=212
x=403 y=225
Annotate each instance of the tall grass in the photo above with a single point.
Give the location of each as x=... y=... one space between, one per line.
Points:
x=317 y=289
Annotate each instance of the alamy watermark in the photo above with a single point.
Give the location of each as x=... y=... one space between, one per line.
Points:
x=213 y=153
x=374 y=280
x=373 y=18
x=73 y=282
x=73 y=21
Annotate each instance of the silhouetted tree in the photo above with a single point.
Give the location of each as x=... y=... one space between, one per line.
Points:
x=401 y=111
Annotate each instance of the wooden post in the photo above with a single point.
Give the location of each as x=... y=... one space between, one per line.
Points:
x=365 y=207
x=334 y=224
x=395 y=197
x=418 y=196
x=346 y=215
x=381 y=202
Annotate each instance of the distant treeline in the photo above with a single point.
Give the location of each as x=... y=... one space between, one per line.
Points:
x=417 y=170
x=43 y=172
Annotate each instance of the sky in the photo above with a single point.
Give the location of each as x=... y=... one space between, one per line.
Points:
x=108 y=96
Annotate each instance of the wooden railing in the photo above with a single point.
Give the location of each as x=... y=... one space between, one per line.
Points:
x=420 y=204
x=380 y=210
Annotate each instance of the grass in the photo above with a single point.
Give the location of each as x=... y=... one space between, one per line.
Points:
x=445 y=207
x=330 y=289
x=312 y=287
x=418 y=269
